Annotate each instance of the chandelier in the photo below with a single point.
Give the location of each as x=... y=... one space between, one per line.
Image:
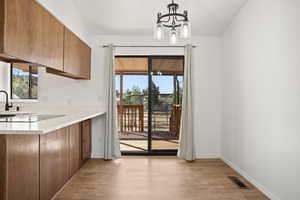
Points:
x=173 y=24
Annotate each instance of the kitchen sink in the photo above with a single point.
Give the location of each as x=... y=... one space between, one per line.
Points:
x=26 y=118
x=7 y=115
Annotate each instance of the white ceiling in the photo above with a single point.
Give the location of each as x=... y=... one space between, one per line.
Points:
x=137 y=17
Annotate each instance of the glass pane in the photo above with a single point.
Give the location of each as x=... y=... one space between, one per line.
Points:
x=34 y=82
x=135 y=89
x=166 y=102
x=20 y=81
x=132 y=92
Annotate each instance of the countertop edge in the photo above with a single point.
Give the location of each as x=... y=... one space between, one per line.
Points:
x=71 y=122
x=50 y=129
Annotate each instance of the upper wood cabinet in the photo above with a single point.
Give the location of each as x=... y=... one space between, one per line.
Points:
x=50 y=41
x=29 y=33
x=77 y=56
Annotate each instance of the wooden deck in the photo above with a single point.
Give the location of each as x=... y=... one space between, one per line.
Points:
x=133 y=128
x=159 y=178
x=142 y=145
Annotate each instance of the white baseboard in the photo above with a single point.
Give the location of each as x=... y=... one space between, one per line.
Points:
x=201 y=156
x=207 y=156
x=244 y=174
x=97 y=156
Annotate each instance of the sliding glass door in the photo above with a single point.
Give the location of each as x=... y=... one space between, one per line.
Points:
x=149 y=92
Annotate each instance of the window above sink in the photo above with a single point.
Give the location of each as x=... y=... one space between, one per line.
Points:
x=20 y=80
x=23 y=81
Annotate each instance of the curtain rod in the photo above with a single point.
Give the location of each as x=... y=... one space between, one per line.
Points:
x=179 y=46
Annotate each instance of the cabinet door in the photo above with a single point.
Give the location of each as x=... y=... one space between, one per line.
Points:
x=48 y=47
x=86 y=139
x=32 y=34
x=19 y=31
x=54 y=162
x=22 y=167
x=77 y=56
x=75 y=148
x=3 y=158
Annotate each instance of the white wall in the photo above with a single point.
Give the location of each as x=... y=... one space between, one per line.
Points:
x=4 y=69
x=206 y=80
x=261 y=96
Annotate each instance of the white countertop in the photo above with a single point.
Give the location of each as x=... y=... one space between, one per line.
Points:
x=72 y=115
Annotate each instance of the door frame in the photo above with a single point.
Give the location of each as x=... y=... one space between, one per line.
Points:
x=150 y=151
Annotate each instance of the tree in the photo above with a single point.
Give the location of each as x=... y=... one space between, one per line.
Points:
x=137 y=96
x=117 y=93
x=155 y=94
x=133 y=96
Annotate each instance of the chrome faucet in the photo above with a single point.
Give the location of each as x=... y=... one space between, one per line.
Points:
x=7 y=105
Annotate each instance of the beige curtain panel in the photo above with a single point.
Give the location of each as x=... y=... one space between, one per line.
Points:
x=111 y=140
x=187 y=144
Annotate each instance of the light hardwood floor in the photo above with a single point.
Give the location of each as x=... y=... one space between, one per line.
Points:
x=156 y=178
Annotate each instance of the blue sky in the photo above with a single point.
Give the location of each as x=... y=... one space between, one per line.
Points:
x=165 y=83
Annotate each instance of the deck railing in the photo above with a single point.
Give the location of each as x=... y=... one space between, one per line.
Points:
x=131 y=118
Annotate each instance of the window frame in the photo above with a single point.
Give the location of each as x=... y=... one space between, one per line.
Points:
x=29 y=85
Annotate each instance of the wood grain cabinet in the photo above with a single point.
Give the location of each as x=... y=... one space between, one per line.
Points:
x=86 y=140
x=36 y=167
x=77 y=58
x=54 y=162
x=75 y=148
x=29 y=33
x=19 y=167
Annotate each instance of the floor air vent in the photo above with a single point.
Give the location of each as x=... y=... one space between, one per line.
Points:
x=238 y=182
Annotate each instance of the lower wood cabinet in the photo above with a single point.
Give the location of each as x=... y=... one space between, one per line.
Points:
x=86 y=140
x=54 y=162
x=36 y=167
x=75 y=148
x=19 y=167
